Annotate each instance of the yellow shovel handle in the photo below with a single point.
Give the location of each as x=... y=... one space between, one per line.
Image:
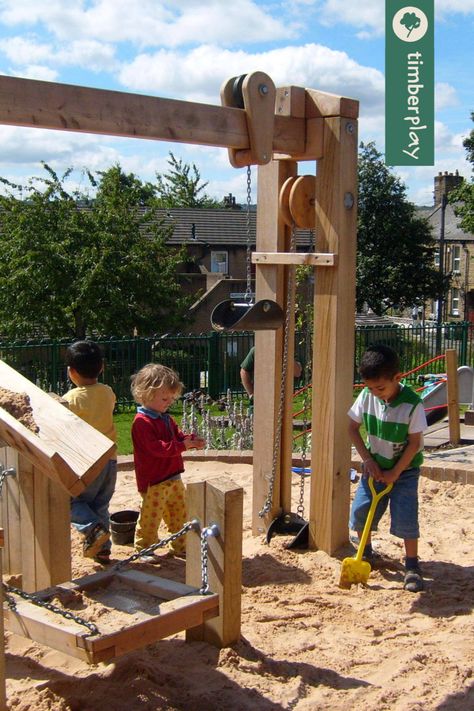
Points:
x=368 y=522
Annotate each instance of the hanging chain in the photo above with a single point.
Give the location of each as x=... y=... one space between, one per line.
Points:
x=3 y=475
x=189 y=526
x=248 y=256
x=67 y=614
x=290 y=303
x=206 y=533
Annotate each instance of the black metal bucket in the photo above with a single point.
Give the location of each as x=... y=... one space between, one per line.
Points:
x=122 y=526
x=265 y=315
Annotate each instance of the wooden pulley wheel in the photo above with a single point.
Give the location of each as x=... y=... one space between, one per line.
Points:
x=297 y=200
x=302 y=201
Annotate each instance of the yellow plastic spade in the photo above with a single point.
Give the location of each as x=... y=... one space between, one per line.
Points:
x=355 y=570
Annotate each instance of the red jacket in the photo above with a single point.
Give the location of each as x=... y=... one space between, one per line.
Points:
x=157 y=447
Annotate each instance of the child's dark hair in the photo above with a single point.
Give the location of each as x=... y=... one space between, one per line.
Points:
x=379 y=361
x=85 y=357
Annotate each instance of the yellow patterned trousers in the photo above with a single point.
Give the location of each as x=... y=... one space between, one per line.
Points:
x=162 y=502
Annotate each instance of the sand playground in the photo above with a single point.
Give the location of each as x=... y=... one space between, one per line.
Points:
x=306 y=644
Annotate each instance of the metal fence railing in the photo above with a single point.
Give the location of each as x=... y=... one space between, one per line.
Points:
x=211 y=361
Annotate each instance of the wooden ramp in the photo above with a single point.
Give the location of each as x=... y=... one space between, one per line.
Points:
x=66 y=448
x=142 y=609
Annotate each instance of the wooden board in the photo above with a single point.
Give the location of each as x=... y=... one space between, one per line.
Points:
x=178 y=607
x=66 y=448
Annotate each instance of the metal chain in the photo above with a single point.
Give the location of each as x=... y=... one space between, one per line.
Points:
x=206 y=533
x=67 y=614
x=189 y=526
x=248 y=256
x=290 y=303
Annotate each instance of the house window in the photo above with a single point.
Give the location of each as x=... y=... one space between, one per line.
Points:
x=455 y=302
x=219 y=262
x=456 y=252
x=436 y=259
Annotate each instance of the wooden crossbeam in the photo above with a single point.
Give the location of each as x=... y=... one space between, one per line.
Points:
x=311 y=258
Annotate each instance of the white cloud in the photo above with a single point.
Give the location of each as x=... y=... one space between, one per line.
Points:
x=201 y=72
x=148 y=23
x=445 y=96
x=90 y=54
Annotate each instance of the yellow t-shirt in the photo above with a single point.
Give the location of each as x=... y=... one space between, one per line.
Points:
x=95 y=405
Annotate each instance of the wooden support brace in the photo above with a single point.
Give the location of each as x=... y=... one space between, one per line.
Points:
x=218 y=502
x=3 y=693
x=296 y=258
x=453 y=395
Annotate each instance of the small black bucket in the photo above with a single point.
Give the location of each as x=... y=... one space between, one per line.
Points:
x=122 y=526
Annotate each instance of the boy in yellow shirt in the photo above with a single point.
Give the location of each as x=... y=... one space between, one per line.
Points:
x=94 y=403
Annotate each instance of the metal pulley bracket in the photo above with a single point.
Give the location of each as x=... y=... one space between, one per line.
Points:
x=297 y=200
x=255 y=93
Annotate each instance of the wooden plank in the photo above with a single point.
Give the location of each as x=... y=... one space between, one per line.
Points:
x=297 y=258
x=173 y=616
x=45 y=529
x=41 y=104
x=3 y=692
x=321 y=104
x=334 y=308
x=37 y=624
x=10 y=515
x=196 y=507
x=58 y=448
x=152 y=585
x=453 y=395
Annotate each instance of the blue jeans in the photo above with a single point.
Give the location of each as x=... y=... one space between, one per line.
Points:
x=92 y=506
x=403 y=500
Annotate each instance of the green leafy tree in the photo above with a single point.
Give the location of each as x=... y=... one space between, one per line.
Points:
x=71 y=266
x=181 y=186
x=464 y=195
x=395 y=248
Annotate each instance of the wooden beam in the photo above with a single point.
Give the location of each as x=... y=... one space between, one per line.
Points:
x=297 y=258
x=64 y=107
x=3 y=693
x=333 y=360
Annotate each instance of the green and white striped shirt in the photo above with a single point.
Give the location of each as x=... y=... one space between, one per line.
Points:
x=389 y=424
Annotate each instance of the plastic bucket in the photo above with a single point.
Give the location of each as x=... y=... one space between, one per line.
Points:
x=122 y=526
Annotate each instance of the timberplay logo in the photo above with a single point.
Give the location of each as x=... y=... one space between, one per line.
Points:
x=409 y=83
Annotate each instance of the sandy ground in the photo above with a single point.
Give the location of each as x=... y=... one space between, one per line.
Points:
x=306 y=644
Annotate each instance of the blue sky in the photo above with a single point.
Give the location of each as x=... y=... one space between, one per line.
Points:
x=185 y=49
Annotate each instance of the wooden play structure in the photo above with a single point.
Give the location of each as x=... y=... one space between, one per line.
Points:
x=274 y=128
x=61 y=459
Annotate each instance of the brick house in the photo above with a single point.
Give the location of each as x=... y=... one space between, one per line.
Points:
x=216 y=248
x=455 y=255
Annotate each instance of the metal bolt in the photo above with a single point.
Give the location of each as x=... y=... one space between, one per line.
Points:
x=348 y=201
x=263 y=89
x=350 y=127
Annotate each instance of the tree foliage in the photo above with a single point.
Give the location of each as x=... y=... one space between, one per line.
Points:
x=464 y=195
x=71 y=266
x=181 y=186
x=395 y=251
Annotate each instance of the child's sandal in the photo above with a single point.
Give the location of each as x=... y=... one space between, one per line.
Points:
x=413 y=581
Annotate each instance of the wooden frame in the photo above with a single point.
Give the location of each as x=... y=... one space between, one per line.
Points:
x=178 y=607
x=305 y=124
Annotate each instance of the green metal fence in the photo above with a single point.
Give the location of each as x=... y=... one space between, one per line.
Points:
x=211 y=361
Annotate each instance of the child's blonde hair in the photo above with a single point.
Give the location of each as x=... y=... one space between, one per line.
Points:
x=152 y=377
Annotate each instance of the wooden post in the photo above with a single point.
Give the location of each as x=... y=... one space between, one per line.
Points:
x=3 y=693
x=272 y=236
x=334 y=318
x=218 y=502
x=453 y=395
x=10 y=515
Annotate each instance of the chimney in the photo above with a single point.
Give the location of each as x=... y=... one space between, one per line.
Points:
x=444 y=183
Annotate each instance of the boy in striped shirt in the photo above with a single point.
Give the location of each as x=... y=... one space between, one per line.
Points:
x=394 y=419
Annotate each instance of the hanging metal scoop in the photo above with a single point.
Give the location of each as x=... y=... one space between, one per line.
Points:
x=265 y=315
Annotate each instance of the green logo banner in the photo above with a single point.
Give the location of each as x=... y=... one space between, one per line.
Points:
x=409 y=82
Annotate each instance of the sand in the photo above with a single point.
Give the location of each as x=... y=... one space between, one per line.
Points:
x=306 y=644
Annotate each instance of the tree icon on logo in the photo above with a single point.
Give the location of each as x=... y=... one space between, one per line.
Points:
x=411 y=21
